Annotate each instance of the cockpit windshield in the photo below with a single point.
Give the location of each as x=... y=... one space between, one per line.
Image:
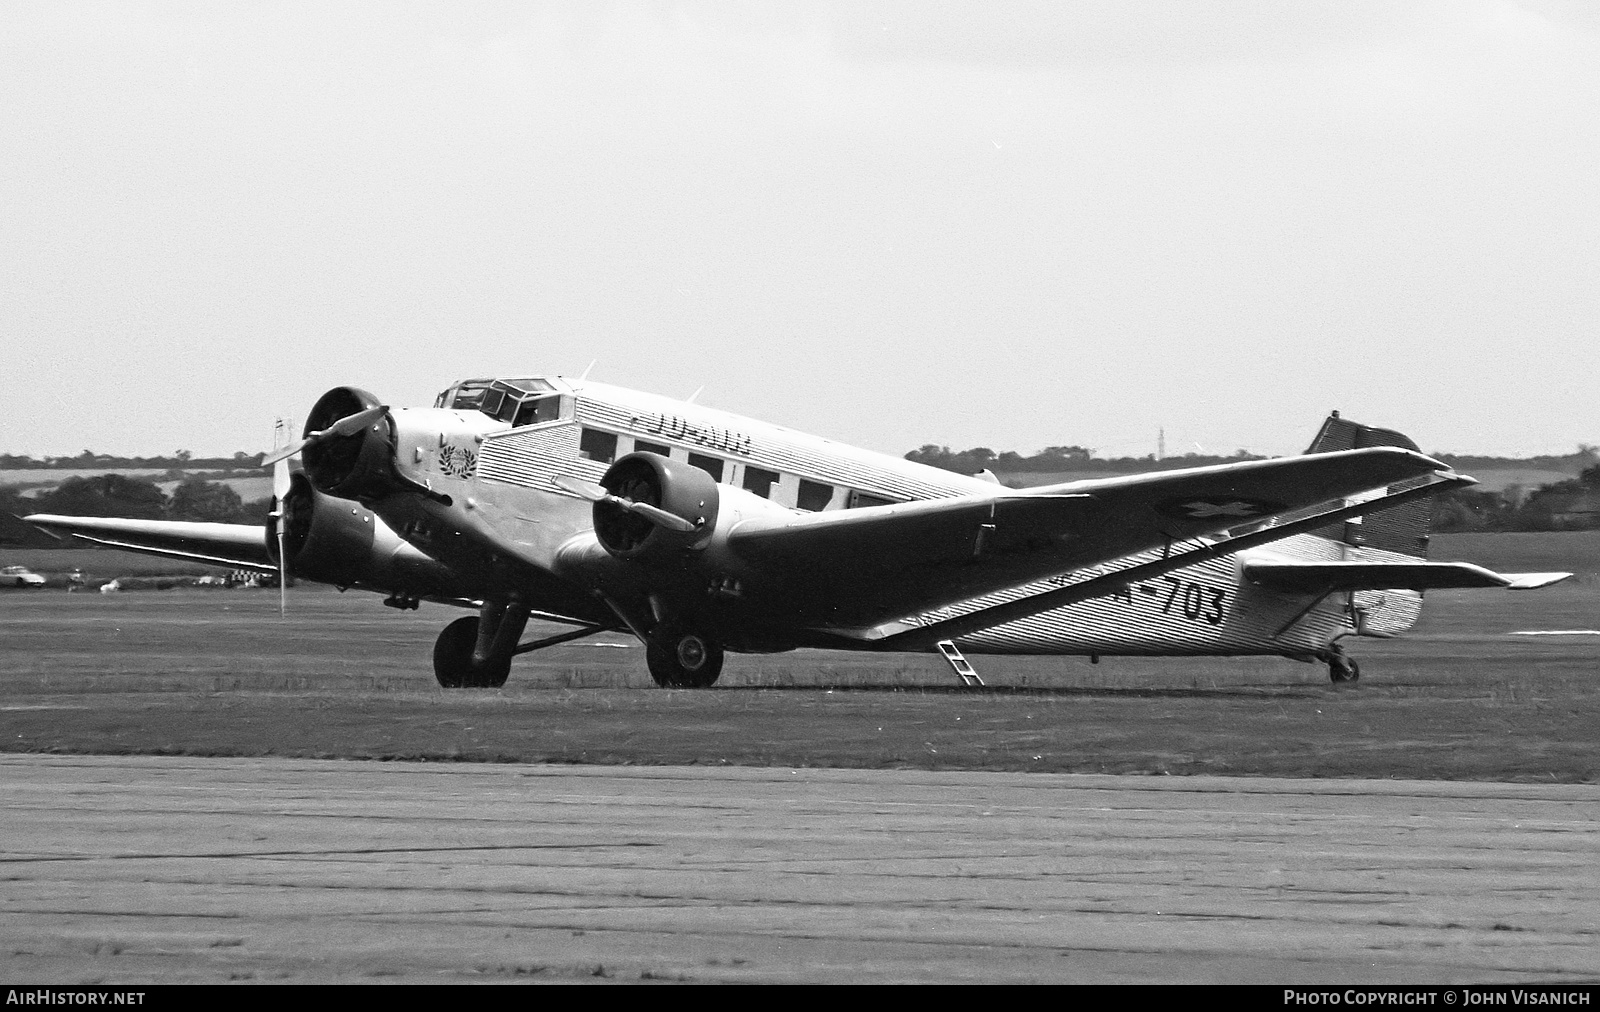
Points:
x=516 y=401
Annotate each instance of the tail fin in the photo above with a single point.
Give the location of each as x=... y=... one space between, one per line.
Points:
x=1405 y=528
x=1342 y=434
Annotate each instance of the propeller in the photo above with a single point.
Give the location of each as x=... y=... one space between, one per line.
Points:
x=281 y=433
x=349 y=425
x=597 y=493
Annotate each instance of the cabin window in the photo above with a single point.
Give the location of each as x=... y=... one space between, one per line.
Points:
x=859 y=499
x=814 y=496
x=759 y=481
x=710 y=465
x=640 y=446
x=490 y=402
x=597 y=446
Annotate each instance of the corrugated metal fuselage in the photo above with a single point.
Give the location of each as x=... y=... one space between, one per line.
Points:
x=505 y=475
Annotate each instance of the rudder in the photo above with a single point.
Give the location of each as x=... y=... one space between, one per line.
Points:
x=1405 y=528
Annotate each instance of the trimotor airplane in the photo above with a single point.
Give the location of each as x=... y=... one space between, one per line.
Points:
x=700 y=532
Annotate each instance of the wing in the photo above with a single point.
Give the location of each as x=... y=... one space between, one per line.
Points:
x=240 y=545
x=859 y=567
x=1326 y=577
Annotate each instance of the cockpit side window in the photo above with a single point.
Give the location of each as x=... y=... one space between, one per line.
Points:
x=543 y=409
x=464 y=396
x=489 y=402
x=515 y=401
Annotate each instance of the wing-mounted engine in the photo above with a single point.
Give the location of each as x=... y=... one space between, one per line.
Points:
x=659 y=558
x=339 y=541
x=655 y=508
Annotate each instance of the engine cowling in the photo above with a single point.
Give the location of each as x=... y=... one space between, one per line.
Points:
x=357 y=466
x=339 y=541
x=671 y=485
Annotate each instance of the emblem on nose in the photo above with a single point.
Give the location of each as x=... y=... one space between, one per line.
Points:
x=457 y=462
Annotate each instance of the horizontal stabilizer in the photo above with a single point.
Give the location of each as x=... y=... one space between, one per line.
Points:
x=1327 y=577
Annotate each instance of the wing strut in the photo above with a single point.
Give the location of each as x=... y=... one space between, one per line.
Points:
x=558 y=638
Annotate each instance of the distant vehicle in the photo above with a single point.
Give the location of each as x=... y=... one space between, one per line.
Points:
x=20 y=576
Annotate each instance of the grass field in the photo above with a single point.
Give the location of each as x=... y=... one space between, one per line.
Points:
x=217 y=672
x=1568 y=551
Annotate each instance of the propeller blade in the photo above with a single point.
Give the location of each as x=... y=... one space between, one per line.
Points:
x=283 y=573
x=280 y=466
x=282 y=434
x=349 y=425
x=279 y=456
x=658 y=516
x=580 y=488
x=597 y=493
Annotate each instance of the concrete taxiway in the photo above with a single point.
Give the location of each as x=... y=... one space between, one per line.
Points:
x=129 y=869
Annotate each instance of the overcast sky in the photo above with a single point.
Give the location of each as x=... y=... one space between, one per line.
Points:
x=1001 y=224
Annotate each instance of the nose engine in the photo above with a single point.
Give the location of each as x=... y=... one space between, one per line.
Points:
x=351 y=461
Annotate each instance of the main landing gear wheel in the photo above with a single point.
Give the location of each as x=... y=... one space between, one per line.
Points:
x=452 y=659
x=680 y=659
x=1342 y=668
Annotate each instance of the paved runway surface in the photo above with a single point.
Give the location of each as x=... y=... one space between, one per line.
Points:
x=132 y=869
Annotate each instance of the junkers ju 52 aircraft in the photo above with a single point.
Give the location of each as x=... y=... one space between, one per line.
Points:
x=700 y=532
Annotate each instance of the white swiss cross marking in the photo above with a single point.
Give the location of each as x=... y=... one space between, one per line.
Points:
x=1206 y=510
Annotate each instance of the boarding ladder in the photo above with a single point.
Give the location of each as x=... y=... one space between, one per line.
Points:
x=963 y=670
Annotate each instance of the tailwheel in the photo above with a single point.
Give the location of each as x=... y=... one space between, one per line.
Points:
x=452 y=659
x=1342 y=668
x=682 y=659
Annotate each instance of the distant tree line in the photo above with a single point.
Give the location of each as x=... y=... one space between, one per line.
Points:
x=117 y=495
x=1060 y=458
x=1585 y=457
x=1572 y=505
x=1079 y=458
x=89 y=460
